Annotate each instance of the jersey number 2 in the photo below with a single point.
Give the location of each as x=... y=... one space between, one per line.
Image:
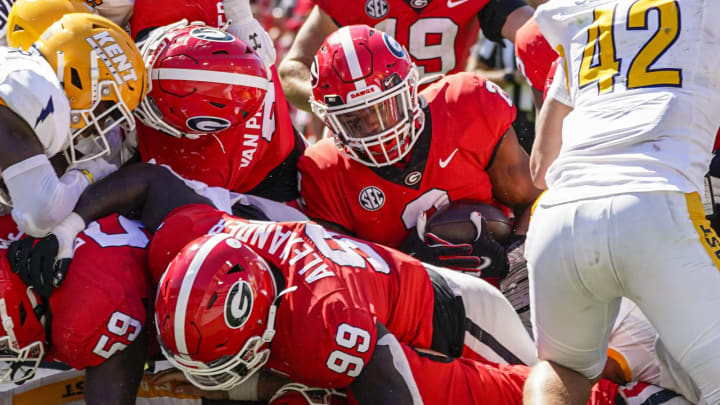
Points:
x=600 y=64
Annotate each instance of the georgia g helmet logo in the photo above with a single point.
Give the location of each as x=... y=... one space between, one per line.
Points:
x=314 y=73
x=207 y=124
x=394 y=47
x=211 y=34
x=238 y=304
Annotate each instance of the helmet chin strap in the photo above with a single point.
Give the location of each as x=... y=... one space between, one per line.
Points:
x=269 y=333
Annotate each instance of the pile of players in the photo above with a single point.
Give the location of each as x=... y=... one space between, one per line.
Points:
x=159 y=204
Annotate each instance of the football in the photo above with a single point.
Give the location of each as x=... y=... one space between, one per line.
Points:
x=453 y=222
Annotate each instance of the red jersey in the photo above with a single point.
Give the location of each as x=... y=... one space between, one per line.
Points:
x=150 y=14
x=438 y=34
x=100 y=308
x=239 y=159
x=534 y=54
x=465 y=118
x=344 y=287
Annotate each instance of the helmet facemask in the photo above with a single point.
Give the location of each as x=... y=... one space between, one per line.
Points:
x=17 y=364
x=227 y=371
x=376 y=131
x=90 y=126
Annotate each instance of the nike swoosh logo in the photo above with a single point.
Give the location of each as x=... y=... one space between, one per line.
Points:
x=452 y=3
x=444 y=163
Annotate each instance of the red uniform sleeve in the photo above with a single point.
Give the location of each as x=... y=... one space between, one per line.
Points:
x=181 y=226
x=321 y=185
x=151 y=14
x=473 y=107
x=100 y=308
x=534 y=54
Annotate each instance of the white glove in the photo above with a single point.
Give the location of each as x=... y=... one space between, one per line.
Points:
x=249 y=30
x=98 y=168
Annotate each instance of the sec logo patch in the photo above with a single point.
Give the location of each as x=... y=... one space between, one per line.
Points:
x=371 y=198
x=377 y=8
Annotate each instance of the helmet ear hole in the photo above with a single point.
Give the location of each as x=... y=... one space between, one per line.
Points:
x=75 y=78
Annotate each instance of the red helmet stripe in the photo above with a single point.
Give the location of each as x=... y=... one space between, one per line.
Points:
x=211 y=76
x=351 y=57
x=186 y=288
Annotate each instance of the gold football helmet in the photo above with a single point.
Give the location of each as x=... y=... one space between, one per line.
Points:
x=103 y=75
x=29 y=18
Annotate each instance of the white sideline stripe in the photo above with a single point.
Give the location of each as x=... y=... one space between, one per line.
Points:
x=401 y=365
x=186 y=288
x=211 y=76
x=351 y=57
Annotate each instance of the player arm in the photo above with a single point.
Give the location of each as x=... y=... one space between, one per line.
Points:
x=294 y=70
x=548 y=139
x=509 y=174
x=28 y=173
x=502 y=18
x=141 y=189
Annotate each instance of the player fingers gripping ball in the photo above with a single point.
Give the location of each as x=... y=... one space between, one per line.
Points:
x=368 y=99
x=102 y=74
x=203 y=80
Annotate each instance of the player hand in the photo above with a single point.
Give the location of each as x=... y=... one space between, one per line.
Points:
x=255 y=36
x=98 y=168
x=34 y=261
x=484 y=256
x=43 y=263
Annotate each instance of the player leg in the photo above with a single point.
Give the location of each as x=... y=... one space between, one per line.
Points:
x=573 y=294
x=493 y=329
x=117 y=379
x=674 y=278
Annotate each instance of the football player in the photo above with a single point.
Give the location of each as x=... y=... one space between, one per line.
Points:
x=77 y=85
x=95 y=321
x=438 y=34
x=396 y=155
x=623 y=145
x=211 y=113
x=322 y=299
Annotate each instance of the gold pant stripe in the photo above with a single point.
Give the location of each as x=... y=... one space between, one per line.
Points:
x=707 y=235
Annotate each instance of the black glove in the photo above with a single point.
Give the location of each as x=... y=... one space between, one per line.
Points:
x=34 y=261
x=484 y=256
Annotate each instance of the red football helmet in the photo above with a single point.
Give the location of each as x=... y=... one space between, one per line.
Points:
x=22 y=338
x=365 y=90
x=214 y=312
x=203 y=80
x=299 y=394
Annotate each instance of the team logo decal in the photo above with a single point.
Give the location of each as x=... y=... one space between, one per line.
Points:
x=314 y=73
x=207 y=124
x=211 y=34
x=377 y=8
x=413 y=178
x=371 y=198
x=238 y=304
x=418 y=3
x=394 y=47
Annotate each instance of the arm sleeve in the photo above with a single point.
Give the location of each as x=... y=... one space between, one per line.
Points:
x=40 y=199
x=493 y=15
